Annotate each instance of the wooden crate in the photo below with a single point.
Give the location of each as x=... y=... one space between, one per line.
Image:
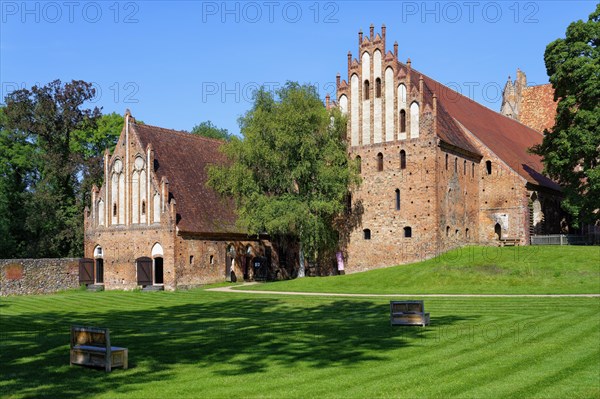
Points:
x=408 y=313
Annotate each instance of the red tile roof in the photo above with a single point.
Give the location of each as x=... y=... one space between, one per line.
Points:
x=183 y=158
x=505 y=137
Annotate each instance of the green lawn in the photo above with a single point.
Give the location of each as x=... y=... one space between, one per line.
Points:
x=475 y=270
x=221 y=345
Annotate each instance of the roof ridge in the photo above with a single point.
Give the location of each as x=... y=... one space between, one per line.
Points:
x=475 y=102
x=182 y=133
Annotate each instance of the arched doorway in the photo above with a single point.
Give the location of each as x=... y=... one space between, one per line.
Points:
x=230 y=263
x=248 y=262
x=158 y=264
x=99 y=265
x=498 y=231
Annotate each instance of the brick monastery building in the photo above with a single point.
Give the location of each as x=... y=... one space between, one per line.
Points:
x=438 y=171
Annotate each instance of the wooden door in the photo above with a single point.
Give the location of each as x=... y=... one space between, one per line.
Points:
x=144 y=271
x=86 y=271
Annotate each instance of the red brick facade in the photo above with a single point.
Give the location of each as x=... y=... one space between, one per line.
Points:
x=438 y=170
x=155 y=204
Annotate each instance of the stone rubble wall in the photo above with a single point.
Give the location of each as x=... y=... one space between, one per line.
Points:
x=38 y=276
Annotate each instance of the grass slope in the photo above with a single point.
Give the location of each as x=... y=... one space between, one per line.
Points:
x=200 y=344
x=471 y=270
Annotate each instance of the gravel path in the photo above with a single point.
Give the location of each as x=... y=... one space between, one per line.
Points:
x=231 y=289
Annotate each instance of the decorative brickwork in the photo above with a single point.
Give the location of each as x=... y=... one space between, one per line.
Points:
x=156 y=210
x=467 y=177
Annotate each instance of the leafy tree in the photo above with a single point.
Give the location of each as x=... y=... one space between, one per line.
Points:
x=17 y=173
x=290 y=174
x=48 y=116
x=207 y=129
x=571 y=149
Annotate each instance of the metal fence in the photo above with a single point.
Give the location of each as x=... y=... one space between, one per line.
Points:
x=566 y=239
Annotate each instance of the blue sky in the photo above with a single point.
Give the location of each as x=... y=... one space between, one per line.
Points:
x=175 y=64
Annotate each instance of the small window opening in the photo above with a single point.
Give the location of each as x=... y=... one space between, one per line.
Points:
x=359 y=163
x=191 y=259
x=446 y=161
x=115 y=209
x=143 y=207
x=467 y=233
x=367 y=234
x=473 y=169
x=455 y=165
x=366 y=90
x=397 y=199
x=379 y=162
x=447 y=231
x=378 y=87
x=407 y=232
x=488 y=167
x=402 y=159
x=465 y=167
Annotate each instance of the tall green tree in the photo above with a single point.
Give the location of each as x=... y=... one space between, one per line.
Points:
x=207 y=129
x=290 y=174
x=571 y=149
x=48 y=116
x=18 y=168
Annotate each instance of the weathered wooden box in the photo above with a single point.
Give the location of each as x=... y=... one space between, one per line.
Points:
x=408 y=313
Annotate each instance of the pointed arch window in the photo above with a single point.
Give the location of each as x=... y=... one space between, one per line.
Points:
x=366 y=90
x=379 y=162
x=402 y=159
x=397 y=199
x=359 y=163
x=402 y=121
x=378 y=87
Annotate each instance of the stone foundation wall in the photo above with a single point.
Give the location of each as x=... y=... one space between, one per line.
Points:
x=38 y=276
